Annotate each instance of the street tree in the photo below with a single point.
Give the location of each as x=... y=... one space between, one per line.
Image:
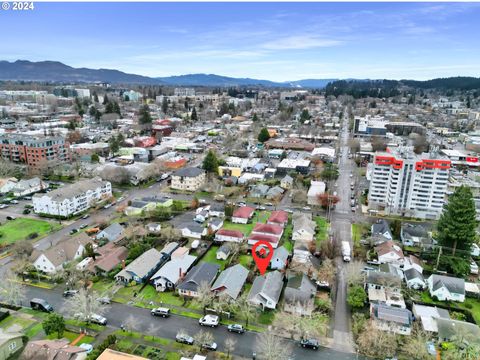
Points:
x=270 y=347
x=377 y=343
x=264 y=135
x=457 y=224
x=203 y=337
x=144 y=116
x=229 y=346
x=205 y=295
x=90 y=251
x=354 y=273
x=83 y=305
x=114 y=145
x=245 y=309
x=330 y=172
x=22 y=249
x=11 y=292
x=54 y=323
x=327 y=200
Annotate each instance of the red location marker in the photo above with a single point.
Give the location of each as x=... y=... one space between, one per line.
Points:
x=262 y=257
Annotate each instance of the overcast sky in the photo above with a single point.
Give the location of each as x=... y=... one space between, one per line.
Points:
x=274 y=41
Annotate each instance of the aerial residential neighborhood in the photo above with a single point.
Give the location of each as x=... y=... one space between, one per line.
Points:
x=331 y=211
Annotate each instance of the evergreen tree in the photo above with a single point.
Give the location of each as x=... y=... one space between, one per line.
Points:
x=210 y=162
x=114 y=145
x=54 y=323
x=94 y=158
x=164 y=105
x=255 y=117
x=264 y=135
x=456 y=227
x=92 y=111
x=116 y=108
x=109 y=108
x=144 y=116
x=105 y=100
x=304 y=116
x=329 y=172
x=193 y=116
x=95 y=97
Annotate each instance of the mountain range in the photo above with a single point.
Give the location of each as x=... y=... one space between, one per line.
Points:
x=54 y=71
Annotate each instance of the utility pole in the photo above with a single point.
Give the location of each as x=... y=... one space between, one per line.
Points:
x=438 y=257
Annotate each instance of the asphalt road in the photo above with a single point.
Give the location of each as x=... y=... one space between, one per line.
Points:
x=116 y=314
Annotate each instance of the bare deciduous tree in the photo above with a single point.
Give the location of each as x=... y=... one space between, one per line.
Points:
x=205 y=295
x=230 y=346
x=11 y=291
x=84 y=304
x=376 y=343
x=270 y=347
x=203 y=337
x=354 y=273
x=246 y=310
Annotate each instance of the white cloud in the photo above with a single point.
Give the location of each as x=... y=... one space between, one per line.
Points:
x=299 y=42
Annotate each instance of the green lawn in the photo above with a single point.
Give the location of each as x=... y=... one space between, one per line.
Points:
x=148 y=294
x=18 y=321
x=211 y=257
x=72 y=336
x=245 y=260
x=173 y=356
x=266 y=317
x=359 y=231
x=322 y=229
x=21 y=228
x=246 y=229
x=470 y=304
x=34 y=330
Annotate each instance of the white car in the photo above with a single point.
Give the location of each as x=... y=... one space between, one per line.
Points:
x=98 y=319
x=209 y=320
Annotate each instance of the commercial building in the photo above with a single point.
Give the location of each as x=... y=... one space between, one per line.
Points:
x=408 y=184
x=184 y=92
x=189 y=179
x=35 y=151
x=72 y=199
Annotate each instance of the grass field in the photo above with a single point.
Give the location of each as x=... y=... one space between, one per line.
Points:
x=211 y=257
x=246 y=229
x=72 y=336
x=322 y=229
x=21 y=228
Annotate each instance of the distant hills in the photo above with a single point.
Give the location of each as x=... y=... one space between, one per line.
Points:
x=54 y=71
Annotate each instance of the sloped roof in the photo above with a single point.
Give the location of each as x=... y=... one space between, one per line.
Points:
x=112 y=232
x=280 y=253
x=387 y=247
x=381 y=227
x=243 y=212
x=172 y=269
x=231 y=233
x=268 y=228
x=299 y=289
x=393 y=314
x=269 y=285
x=278 y=217
x=203 y=272
x=51 y=350
x=69 y=191
x=232 y=279
x=412 y=273
x=142 y=265
x=64 y=250
x=453 y=284
x=110 y=256
x=447 y=328
x=189 y=172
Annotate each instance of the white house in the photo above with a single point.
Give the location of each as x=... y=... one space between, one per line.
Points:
x=226 y=235
x=242 y=214
x=303 y=227
x=6 y=185
x=72 y=199
x=266 y=290
x=189 y=179
x=446 y=288
x=52 y=260
x=389 y=252
x=316 y=188
x=27 y=187
x=193 y=230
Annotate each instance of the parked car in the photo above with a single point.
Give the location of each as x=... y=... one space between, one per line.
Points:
x=241 y=203
x=68 y=293
x=307 y=208
x=11 y=217
x=73 y=231
x=209 y=320
x=236 y=328
x=210 y=346
x=27 y=198
x=104 y=300
x=98 y=319
x=184 y=339
x=268 y=204
x=41 y=304
x=309 y=343
x=26 y=211
x=14 y=202
x=107 y=206
x=259 y=207
x=322 y=284
x=161 y=311
x=86 y=216
x=83 y=226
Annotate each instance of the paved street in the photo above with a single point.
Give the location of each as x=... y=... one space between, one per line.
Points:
x=168 y=328
x=341 y=225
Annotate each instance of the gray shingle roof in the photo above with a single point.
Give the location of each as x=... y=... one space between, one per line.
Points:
x=381 y=227
x=454 y=285
x=299 y=289
x=142 y=265
x=447 y=328
x=412 y=273
x=171 y=270
x=203 y=272
x=232 y=279
x=69 y=191
x=393 y=314
x=269 y=285
x=189 y=172
x=112 y=232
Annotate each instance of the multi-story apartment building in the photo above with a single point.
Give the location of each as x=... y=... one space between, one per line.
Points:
x=35 y=151
x=190 y=179
x=72 y=199
x=408 y=184
x=184 y=92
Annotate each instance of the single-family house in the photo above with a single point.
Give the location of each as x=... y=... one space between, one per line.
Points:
x=193 y=230
x=259 y=191
x=201 y=273
x=242 y=214
x=279 y=258
x=114 y=232
x=428 y=316
x=382 y=280
x=215 y=224
x=59 y=349
x=303 y=227
x=381 y=227
x=7 y=184
x=275 y=192
x=224 y=252
x=414 y=262
x=286 y=182
x=109 y=354
x=414 y=235
x=231 y=281
x=189 y=179
x=154 y=228
x=414 y=279
x=10 y=343
x=389 y=252
x=266 y=232
x=278 y=217
x=168 y=276
x=301 y=252
x=448 y=329
x=226 y=235
x=266 y=290
x=27 y=187
x=53 y=259
x=217 y=209
x=108 y=258
x=390 y=318
x=140 y=269
x=299 y=295
x=446 y=288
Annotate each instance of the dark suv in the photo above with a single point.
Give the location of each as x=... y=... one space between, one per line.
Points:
x=309 y=343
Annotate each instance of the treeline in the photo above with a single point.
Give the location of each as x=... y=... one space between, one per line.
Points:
x=452 y=83
x=363 y=88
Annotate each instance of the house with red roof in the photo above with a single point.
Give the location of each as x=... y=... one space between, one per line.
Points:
x=279 y=217
x=242 y=214
x=266 y=232
x=226 y=235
